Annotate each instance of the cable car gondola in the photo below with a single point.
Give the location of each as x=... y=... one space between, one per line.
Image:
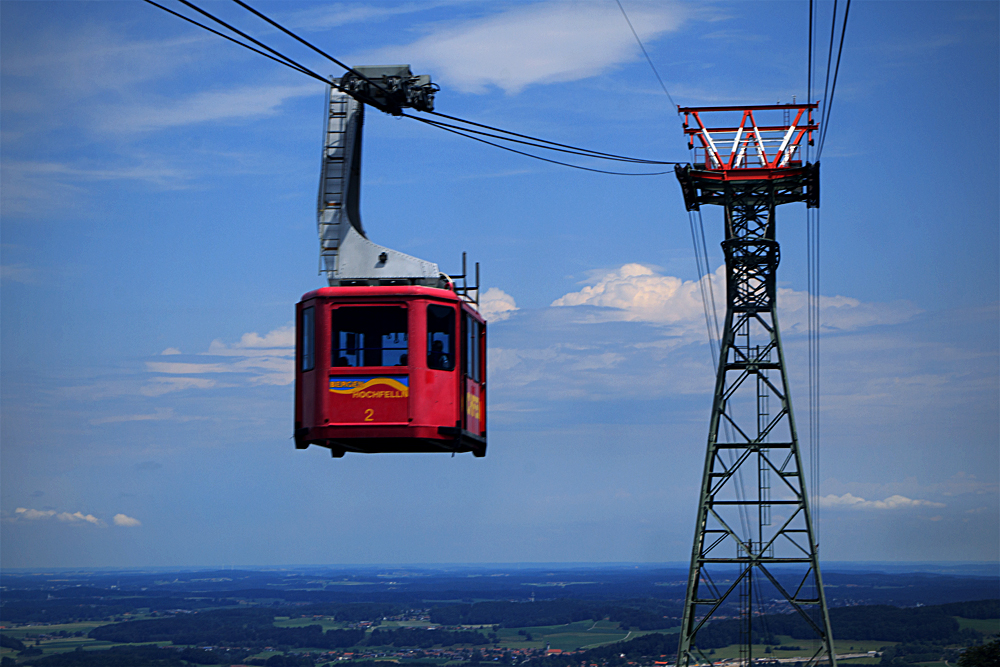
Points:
x=391 y=357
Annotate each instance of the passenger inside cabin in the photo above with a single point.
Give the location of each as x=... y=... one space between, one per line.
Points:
x=437 y=358
x=403 y=360
x=342 y=361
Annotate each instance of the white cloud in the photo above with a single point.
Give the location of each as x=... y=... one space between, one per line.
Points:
x=28 y=514
x=19 y=273
x=894 y=502
x=33 y=515
x=280 y=341
x=91 y=60
x=638 y=293
x=334 y=15
x=244 y=102
x=28 y=184
x=161 y=414
x=544 y=42
x=496 y=305
x=76 y=517
x=126 y=521
x=258 y=360
x=160 y=385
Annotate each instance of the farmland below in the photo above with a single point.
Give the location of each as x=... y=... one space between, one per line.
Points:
x=463 y=615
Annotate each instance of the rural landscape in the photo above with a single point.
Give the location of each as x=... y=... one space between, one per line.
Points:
x=433 y=616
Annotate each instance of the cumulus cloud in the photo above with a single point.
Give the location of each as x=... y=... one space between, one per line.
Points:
x=79 y=516
x=28 y=514
x=281 y=341
x=895 y=502
x=496 y=305
x=126 y=521
x=639 y=293
x=544 y=42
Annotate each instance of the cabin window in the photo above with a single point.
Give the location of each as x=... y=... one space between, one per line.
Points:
x=471 y=332
x=369 y=336
x=308 y=339
x=441 y=337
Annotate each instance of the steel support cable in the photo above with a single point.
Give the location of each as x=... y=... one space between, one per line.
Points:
x=712 y=333
x=707 y=290
x=813 y=302
x=726 y=426
x=648 y=59
x=829 y=61
x=833 y=89
x=543 y=141
x=815 y=363
x=538 y=157
x=311 y=46
x=374 y=83
x=573 y=151
x=708 y=272
x=809 y=70
x=288 y=63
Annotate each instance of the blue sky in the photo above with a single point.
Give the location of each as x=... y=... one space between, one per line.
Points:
x=158 y=226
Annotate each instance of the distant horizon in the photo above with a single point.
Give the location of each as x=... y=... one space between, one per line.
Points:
x=975 y=568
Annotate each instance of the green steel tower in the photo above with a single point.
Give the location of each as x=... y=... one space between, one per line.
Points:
x=755 y=551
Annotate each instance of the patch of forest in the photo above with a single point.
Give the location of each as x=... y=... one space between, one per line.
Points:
x=150 y=656
x=69 y=609
x=255 y=628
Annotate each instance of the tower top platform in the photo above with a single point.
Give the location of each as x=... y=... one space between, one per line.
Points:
x=744 y=149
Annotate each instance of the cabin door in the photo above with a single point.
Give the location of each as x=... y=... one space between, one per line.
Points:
x=473 y=398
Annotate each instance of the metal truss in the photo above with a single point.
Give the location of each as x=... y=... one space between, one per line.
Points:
x=755 y=552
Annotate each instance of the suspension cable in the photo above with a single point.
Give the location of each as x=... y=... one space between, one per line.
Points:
x=833 y=89
x=286 y=63
x=544 y=141
x=809 y=71
x=648 y=59
x=534 y=142
x=538 y=157
x=568 y=149
x=290 y=63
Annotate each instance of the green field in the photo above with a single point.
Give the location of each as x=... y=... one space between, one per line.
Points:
x=60 y=645
x=85 y=627
x=326 y=622
x=987 y=625
x=808 y=648
x=569 y=637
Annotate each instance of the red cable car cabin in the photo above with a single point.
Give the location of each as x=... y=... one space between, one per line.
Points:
x=390 y=369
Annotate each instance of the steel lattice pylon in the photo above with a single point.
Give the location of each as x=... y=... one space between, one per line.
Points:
x=755 y=552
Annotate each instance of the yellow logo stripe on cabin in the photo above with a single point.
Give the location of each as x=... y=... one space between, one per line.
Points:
x=347 y=387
